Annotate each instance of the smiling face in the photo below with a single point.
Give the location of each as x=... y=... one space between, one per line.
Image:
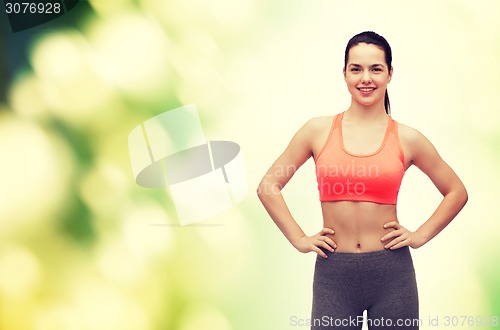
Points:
x=367 y=74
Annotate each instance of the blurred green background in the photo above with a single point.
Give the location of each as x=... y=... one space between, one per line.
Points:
x=83 y=247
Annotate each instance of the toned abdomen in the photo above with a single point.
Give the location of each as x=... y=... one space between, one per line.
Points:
x=358 y=225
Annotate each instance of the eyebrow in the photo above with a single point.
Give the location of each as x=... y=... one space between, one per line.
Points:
x=372 y=66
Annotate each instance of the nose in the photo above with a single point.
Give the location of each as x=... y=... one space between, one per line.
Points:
x=366 y=78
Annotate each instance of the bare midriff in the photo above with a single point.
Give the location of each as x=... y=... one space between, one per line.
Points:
x=358 y=226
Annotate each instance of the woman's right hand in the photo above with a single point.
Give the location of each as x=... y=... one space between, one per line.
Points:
x=313 y=243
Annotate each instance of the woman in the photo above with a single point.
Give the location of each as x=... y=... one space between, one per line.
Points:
x=361 y=155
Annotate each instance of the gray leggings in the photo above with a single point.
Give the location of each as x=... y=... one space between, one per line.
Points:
x=381 y=282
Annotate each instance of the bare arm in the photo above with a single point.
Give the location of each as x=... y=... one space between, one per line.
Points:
x=269 y=191
x=426 y=158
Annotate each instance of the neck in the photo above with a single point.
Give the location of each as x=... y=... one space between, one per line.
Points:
x=366 y=112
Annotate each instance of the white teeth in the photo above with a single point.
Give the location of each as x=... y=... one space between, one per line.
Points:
x=366 y=89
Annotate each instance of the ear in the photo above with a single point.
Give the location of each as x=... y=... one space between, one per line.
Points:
x=390 y=75
x=343 y=71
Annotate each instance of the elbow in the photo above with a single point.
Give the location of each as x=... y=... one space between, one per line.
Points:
x=465 y=196
x=261 y=190
x=461 y=196
x=266 y=189
x=457 y=196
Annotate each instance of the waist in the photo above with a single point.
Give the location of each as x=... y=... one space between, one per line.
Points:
x=363 y=257
x=358 y=226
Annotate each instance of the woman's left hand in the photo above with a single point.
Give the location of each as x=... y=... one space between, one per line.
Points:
x=402 y=237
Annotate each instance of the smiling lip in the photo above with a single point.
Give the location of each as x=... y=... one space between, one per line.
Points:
x=366 y=90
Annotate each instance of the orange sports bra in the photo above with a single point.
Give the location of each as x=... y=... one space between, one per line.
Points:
x=374 y=177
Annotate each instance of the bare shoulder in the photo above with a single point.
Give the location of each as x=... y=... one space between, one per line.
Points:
x=304 y=143
x=319 y=123
x=314 y=127
x=319 y=127
x=410 y=136
x=316 y=132
x=415 y=144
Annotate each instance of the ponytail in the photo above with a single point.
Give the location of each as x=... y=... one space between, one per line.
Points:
x=387 y=104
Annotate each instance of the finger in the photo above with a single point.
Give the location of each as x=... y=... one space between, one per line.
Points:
x=396 y=241
x=400 y=245
x=390 y=244
x=320 y=252
x=330 y=241
x=392 y=224
x=326 y=246
x=392 y=234
x=326 y=230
